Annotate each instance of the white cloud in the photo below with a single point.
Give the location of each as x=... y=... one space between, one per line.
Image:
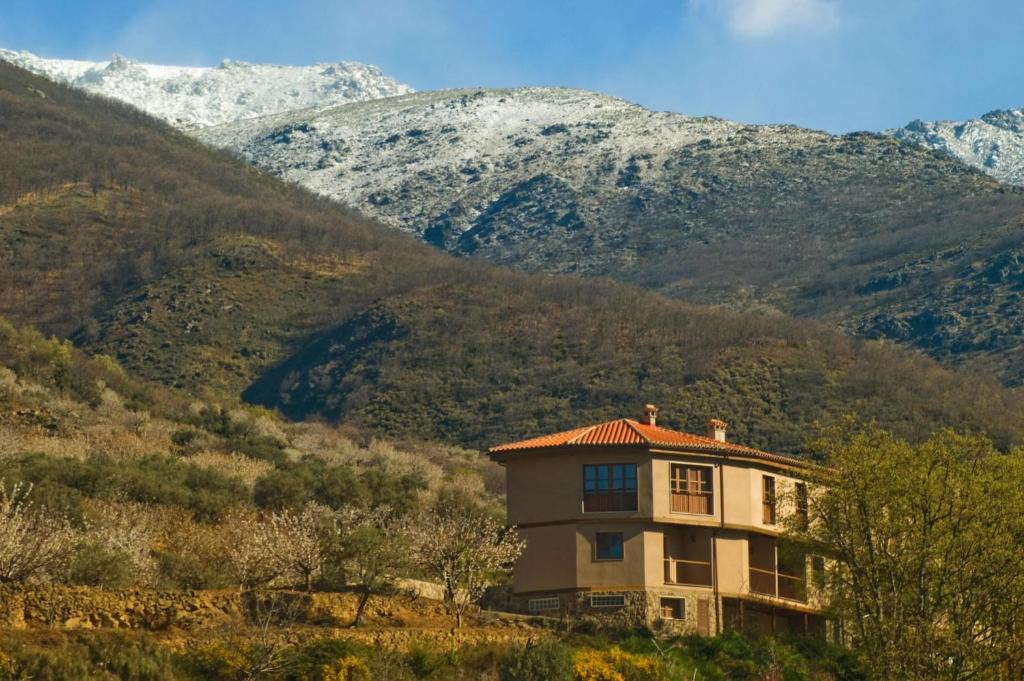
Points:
x=768 y=18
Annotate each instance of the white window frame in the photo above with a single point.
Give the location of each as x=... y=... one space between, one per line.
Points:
x=545 y=603
x=608 y=601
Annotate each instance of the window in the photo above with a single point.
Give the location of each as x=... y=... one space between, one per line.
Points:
x=609 y=545
x=673 y=608
x=542 y=604
x=608 y=601
x=768 y=500
x=609 y=487
x=691 y=489
x=801 y=505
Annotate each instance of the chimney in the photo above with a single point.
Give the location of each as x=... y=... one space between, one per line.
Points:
x=650 y=416
x=716 y=429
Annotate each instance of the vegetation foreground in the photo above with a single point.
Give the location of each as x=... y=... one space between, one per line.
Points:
x=102 y=656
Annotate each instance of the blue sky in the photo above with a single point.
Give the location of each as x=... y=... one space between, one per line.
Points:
x=838 y=65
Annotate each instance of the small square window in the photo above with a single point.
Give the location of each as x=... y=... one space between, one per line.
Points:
x=673 y=608
x=609 y=546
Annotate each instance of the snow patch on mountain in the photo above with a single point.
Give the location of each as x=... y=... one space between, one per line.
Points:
x=993 y=143
x=441 y=164
x=191 y=97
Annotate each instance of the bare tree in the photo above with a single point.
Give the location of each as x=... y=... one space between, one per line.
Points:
x=35 y=543
x=466 y=549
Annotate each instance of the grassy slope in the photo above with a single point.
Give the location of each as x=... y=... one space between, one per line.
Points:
x=197 y=271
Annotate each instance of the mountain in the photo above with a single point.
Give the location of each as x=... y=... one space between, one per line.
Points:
x=191 y=97
x=882 y=238
x=193 y=269
x=993 y=143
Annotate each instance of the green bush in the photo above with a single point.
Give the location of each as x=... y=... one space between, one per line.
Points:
x=97 y=565
x=152 y=479
x=544 y=661
x=292 y=485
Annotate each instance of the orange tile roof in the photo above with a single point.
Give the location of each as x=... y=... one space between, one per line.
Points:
x=627 y=432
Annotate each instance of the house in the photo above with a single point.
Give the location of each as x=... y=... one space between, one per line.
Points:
x=632 y=522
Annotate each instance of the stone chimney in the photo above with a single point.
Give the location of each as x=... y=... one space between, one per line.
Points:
x=716 y=429
x=650 y=416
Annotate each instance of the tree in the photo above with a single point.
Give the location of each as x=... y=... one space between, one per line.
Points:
x=299 y=539
x=253 y=550
x=372 y=547
x=925 y=566
x=465 y=548
x=35 y=543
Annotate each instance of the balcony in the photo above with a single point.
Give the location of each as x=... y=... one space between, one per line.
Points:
x=604 y=502
x=771 y=583
x=688 y=572
x=691 y=502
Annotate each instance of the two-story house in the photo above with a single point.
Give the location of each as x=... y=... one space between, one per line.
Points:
x=645 y=524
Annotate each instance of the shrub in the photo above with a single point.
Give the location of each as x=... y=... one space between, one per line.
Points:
x=616 y=664
x=544 y=661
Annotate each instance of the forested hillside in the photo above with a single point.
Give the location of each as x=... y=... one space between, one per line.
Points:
x=882 y=237
x=195 y=270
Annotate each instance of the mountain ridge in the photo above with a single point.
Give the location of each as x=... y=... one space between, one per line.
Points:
x=191 y=97
x=993 y=142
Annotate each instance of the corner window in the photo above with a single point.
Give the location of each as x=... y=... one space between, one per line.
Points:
x=609 y=487
x=691 y=489
x=609 y=546
x=768 y=514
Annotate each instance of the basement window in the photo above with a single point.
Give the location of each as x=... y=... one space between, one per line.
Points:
x=542 y=604
x=608 y=601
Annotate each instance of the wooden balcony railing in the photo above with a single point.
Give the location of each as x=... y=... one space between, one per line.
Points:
x=691 y=502
x=688 y=572
x=600 y=502
x=770 y=583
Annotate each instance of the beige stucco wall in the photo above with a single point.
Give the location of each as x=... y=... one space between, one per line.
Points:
x=549 y=560
x=544 y=487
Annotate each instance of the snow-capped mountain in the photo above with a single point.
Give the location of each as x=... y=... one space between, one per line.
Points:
x=195 y=97
x=454 y=165
x=993 y=143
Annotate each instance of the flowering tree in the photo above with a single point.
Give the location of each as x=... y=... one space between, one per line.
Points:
x=252 y=549
x=466 y=549
x=299 y=538
x=34 y=542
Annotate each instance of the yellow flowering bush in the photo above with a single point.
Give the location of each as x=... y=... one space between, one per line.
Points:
x=348 y=668
x=616 y=664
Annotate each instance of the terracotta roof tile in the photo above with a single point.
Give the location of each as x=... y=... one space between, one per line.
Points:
x=627 y=432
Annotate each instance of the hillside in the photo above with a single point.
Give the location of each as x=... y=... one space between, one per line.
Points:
x=555 y=180
x=993 y=143
x=191 y=97
x=195 y=270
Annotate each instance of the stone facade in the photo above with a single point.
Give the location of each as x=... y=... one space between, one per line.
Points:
x=696 y=612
